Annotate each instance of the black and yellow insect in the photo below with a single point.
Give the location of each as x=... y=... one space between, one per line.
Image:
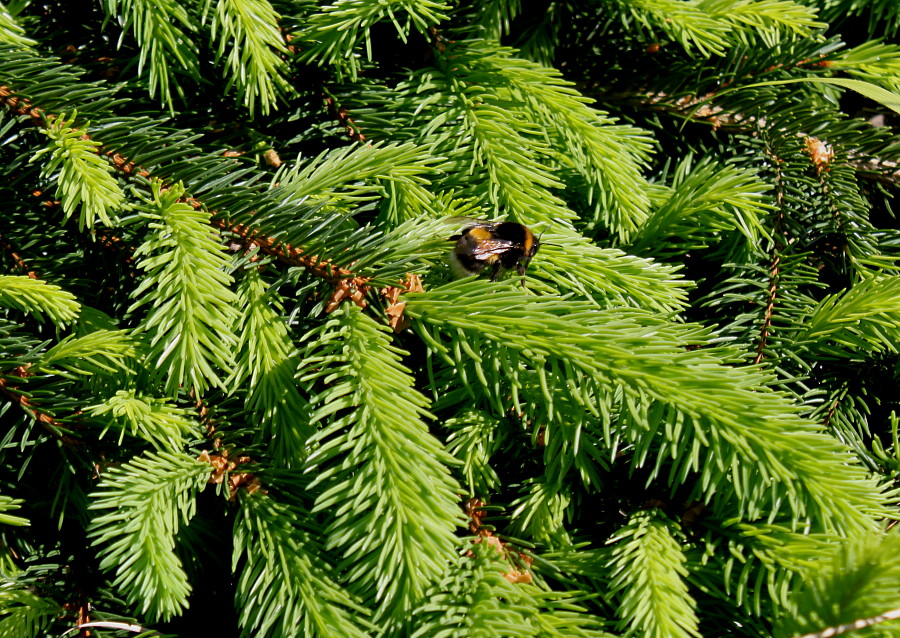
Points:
x=497 y=247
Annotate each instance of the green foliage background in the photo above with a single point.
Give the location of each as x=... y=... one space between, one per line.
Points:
x=682 y=423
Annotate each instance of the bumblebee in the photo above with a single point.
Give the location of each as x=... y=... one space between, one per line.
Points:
x=497 y=247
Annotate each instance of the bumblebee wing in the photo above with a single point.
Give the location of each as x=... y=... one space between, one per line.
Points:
x=486 y=247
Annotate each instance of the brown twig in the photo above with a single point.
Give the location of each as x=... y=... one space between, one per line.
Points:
x=21 y=105
x=285 y=253
x=766 y=329
x=831 y=410
x=347 y=285
x=341 y=114
x=17 y=258
x=774 y=267
x=50 y=424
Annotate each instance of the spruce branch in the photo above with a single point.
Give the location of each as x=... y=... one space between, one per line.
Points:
x=392 y=503
x=490 y=136
x=474 y=437
x=476 y=593
x=21 y=397
x=248 y=31
x=752 y=565
x=611 y=275
x=775 y=263
x=858 y=322
x=284 y=580
x=685 y=22
x=24 y=613
x=336 y=32
x=714 y=26
x=622 y=354
x=26 y=366
x=99 y=352
x=192 y=309
x=704 y=198
x=648 y=570
x=29 y=80
x=37 y=117
x=267 y=363
x=518 y=181
x=38 y=298
x=608 y=156
x=139 y=508
x=541 y=510
x=840 y=189
x=876 y=62
x=767 y=19
x=769 y=310
x=358 y=173
x=84 y=178
x=157 y=421
x=495 y=17
x=284 y=252
x=165 y=34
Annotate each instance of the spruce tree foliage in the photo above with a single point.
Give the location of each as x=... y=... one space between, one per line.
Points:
x=240 y=392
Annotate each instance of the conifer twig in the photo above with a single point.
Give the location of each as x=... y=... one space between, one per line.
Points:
x=109 y=624
x=878 y=170
x=861 y=623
